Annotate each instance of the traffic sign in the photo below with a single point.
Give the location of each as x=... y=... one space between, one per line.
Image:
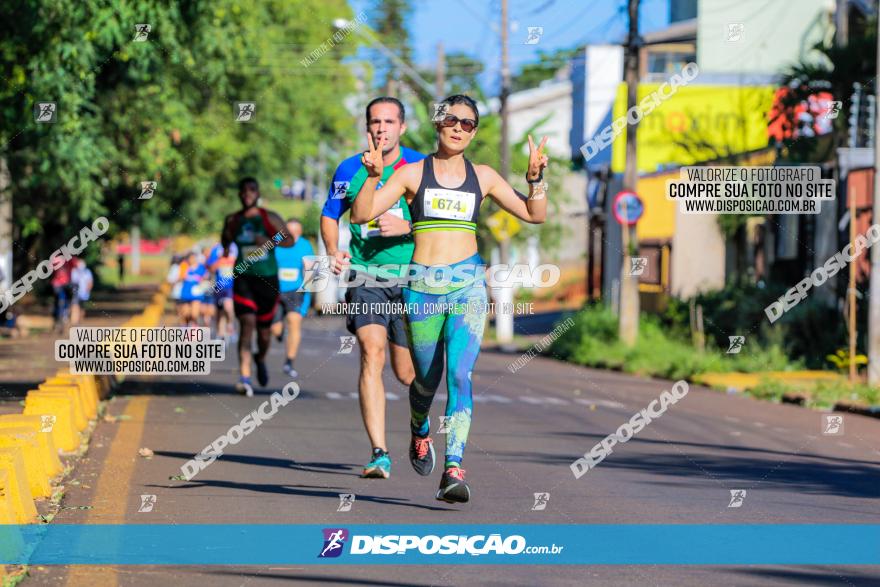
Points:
x=627 y=207
x=502 y=225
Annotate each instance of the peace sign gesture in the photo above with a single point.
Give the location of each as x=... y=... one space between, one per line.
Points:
x=372 y=158
x=537 y=159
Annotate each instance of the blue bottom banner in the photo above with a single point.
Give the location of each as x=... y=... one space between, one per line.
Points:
x=419 y=544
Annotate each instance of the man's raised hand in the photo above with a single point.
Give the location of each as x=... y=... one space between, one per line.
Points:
x=372 y=159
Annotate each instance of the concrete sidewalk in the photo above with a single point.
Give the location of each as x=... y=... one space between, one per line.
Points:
x=26 y=361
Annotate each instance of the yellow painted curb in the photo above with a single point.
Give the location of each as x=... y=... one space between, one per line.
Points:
x=7 y=508
x=80 y=421
x=63 y=431
x=90 y=405
x=12 y=461
x=28 y=441
x=48 y=452
x=744 y=381
x=11 y=541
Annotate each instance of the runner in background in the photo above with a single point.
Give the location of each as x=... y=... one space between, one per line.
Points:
x=208 y=307
x=192 y=274
x=82 y=281
x=222 y=267
x=383 y=241
x=255 y=231
x=62 y=292
x=294 y=305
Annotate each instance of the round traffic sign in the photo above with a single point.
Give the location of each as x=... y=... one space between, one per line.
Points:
x=627 y=207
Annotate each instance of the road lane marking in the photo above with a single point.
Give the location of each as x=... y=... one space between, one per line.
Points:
x=111 y=497
x=598 y=402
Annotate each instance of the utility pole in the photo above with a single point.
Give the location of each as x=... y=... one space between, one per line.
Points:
x=841 y=23
x=629 y=284
x=874 y=293
x=136 y=246
x=504 y=295
x=440 y=82
x=6 y=230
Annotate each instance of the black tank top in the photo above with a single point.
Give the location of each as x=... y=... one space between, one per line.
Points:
x=435 y=207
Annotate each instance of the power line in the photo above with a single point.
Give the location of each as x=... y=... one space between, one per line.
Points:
x=543 y=7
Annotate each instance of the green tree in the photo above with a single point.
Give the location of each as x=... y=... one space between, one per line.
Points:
x=549 y=62
x=162 y=109
x=389 y=20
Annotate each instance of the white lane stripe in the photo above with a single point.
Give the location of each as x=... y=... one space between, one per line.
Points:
x=489 y=397
x=598 y=402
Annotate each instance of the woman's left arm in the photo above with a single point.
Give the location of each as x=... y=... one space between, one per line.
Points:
x=532 y=209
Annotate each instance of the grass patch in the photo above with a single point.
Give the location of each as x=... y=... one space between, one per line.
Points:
x=593 y=341
x=154 y=268
x=823 y=395
x=15 y=574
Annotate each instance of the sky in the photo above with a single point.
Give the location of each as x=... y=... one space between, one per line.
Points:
x=471 y=26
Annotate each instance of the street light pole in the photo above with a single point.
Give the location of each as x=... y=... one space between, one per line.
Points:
x=504 y=295
x=874 y=293
x=629 y=284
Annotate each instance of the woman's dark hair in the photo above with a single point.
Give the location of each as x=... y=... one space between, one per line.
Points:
x=467 y=101
x=248 y=182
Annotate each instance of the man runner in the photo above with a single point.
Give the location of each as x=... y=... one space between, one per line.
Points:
x=383 y=241
x=255 y=232
x=294 y=304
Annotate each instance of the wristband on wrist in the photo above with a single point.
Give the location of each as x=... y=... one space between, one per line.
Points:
x=539 y=190
x=537 y=179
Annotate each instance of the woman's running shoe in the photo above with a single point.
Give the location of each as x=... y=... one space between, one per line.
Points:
x=288 y=368
x=453 y=488
x=244 y=387
x=421 y=454
x=379 y=466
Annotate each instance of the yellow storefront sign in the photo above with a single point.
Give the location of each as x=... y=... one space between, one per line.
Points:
x=695 y=124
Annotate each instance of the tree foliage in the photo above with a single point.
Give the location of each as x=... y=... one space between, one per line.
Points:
x=161 y=110
x=549 y=62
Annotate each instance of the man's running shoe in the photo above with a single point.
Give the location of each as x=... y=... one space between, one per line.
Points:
x=288 y=368
x=262 y=373
x=379 y=466
x=421 y=454
x=453 y=488
x=244 y=387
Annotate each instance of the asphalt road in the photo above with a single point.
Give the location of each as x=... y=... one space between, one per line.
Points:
x=528 y=427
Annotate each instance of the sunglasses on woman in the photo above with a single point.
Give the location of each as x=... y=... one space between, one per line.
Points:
x=467 y=124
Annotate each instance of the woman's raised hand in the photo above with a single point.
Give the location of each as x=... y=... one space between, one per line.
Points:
x=537 y=159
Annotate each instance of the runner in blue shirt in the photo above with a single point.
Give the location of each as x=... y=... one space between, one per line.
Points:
x=223 y=269
x=293 y=304
x=192 y=274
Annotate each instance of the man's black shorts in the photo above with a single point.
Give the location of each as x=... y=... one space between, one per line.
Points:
x=363 y=296
x=255 y=294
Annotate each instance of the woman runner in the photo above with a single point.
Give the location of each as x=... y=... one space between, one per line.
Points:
x=444 y=193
